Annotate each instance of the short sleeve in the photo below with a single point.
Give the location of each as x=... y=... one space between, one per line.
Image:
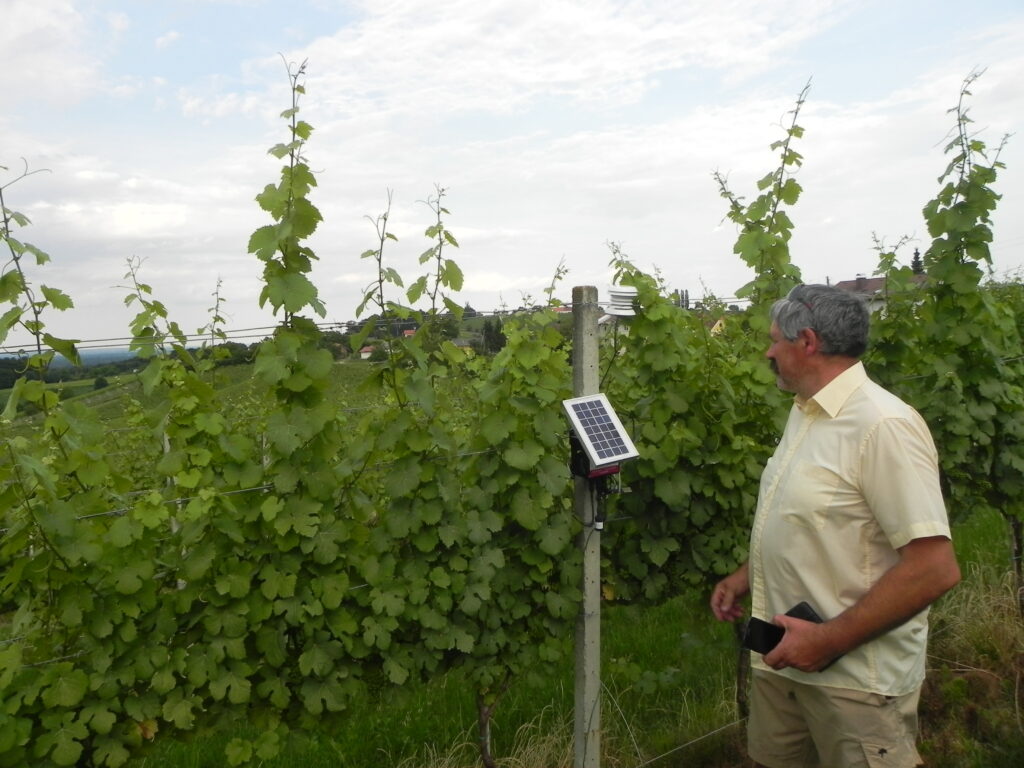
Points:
x=900 y=480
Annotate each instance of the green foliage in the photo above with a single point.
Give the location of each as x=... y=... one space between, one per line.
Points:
x=951 y=346
x=446 y=273
x=192 y=570
x=766 y=228
x=703 y=411
x=287 y=263
x=27 y=303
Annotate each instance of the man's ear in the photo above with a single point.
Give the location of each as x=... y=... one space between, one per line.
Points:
x=811 y=341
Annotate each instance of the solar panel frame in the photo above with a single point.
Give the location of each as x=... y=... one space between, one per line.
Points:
x=599 y=430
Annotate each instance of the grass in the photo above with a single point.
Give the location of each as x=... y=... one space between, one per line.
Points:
x=971 y=702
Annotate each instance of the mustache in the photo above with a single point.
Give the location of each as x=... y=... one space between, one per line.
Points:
x=774 y=366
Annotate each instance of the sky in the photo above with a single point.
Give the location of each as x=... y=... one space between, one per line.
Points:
x=555 y=127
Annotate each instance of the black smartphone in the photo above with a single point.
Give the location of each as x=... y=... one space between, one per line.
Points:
x=761 y=636
x=804 y=611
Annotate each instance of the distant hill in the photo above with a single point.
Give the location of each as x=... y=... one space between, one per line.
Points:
x=89 y=357
x=95 y=362
x=94 y=357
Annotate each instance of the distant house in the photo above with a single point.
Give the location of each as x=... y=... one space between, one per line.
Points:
x=871 y=289
x=365 y=352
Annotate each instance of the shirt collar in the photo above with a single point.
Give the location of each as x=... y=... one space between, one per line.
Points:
x=834 y=395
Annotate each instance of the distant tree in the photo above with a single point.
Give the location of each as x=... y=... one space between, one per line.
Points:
x=468 y=311
x=493 y=336
x=436 y=330
x=232 y=353
x=916 y=265
x=680 y=298
x=449 y=326
x=100 y=383
x=91 y=371
x=336 y=343
x=11 y=369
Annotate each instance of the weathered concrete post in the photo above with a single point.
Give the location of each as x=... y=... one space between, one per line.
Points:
x=585 y=381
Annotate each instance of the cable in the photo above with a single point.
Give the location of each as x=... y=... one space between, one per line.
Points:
x=225 y=335
x=691 y=743
x=257 y=332
x=625 y=722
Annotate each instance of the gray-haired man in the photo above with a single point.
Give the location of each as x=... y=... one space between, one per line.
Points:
x=850 y=519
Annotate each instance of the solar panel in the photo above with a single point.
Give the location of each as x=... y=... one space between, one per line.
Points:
x=600 y=430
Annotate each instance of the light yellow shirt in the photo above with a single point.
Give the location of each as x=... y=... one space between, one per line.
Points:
x=854 y=478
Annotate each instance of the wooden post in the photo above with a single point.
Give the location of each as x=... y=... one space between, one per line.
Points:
x=585 y=381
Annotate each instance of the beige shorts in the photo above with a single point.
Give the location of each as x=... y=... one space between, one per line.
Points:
x=793 y=725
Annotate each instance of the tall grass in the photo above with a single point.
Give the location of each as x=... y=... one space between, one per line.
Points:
x=971 y=705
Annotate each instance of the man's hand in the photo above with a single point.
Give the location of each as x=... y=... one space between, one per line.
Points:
x=727 y=593
x=805 y=646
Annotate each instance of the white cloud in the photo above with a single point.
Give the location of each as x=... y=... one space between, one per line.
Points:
x=167 y=39
x=119 y=23
x=412 y=56
x=215 y=104
x=42 y=43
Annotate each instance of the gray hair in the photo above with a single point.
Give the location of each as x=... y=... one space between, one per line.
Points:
x=840 y=319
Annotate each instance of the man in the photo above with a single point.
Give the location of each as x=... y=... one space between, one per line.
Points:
x=850 y=519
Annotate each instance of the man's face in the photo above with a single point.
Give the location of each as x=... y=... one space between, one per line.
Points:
x=786 y=359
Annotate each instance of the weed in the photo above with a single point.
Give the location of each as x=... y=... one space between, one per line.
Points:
x=971 y=702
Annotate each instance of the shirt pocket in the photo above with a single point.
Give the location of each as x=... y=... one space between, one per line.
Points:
x=810 y=490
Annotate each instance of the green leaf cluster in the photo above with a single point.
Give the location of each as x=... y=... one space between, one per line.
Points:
x=952 y=345
x=765 y=227
x=704 y=413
